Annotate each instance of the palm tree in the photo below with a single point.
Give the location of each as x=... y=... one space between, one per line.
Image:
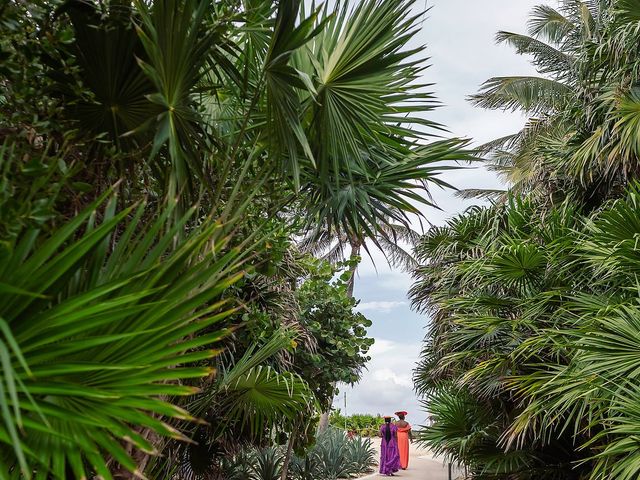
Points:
x=529 y=365
x=249 y=400
x=332 y=104
x=366 y=94
x=496 y=281
x=578 y=137
x=392 y=240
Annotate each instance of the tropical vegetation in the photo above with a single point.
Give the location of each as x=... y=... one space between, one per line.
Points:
x=529 y=368
x=160 y=162
x=333 y=456
x=361 y=424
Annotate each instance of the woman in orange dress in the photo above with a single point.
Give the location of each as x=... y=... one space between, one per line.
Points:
x=404 y=434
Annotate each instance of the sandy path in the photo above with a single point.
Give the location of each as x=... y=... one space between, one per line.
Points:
x=422 y=465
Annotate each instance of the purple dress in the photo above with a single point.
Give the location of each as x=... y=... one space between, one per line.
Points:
x=389 y=454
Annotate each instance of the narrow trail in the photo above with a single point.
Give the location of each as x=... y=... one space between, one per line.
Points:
x=422 y=466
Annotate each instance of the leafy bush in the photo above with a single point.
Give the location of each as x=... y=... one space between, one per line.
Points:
x=365 y=425
x=327 y=313
x=531 y=368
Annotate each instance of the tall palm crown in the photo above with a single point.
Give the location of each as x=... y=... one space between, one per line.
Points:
x=580 y=135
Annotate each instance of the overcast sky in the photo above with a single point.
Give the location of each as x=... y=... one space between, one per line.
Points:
x=459 y=38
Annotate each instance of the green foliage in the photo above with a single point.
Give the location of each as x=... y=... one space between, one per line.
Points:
x=530 y=366
x=106 y=93
x=32 y=189
x=248 y=402
x=580 y=138
x=93 y=328
x=222 y=124
x=25 y=99
x=258 y=464
x=188 y=97
x=335 y=456
x=327 y=313
x=365 y=425
x=254 y=394
x=364 y=115
x=331 y=455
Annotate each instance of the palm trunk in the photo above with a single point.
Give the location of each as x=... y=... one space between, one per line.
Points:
x=355 y=253
x=287 y=456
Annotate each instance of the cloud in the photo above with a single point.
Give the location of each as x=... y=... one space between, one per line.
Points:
x=386 y=386
x=383 y=307
x=388 y=376
x=388 y=282
x=381 y=346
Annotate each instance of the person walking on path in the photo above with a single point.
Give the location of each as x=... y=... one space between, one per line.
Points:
x=404 y=435
x=389 y=455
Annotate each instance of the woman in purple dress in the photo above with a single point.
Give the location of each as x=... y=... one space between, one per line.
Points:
x=389 y=454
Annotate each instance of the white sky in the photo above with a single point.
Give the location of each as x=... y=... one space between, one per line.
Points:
x=459 y=35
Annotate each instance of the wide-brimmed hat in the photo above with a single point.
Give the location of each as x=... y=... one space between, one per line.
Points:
x=401 y=412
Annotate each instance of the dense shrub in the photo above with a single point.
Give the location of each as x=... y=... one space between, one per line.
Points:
x=364 y=425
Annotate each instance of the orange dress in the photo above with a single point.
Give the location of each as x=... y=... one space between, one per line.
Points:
x=403 y=445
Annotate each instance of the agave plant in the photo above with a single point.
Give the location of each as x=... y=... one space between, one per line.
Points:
x=304 y=468
x=267 y=464
x=334 y=456
x=238 y=466
x=361 y=454
x=331 y=452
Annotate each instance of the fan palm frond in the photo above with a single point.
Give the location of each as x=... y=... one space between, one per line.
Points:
x=546 y=58
x=549 y=23
x=528 y=94
x=140 y=306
